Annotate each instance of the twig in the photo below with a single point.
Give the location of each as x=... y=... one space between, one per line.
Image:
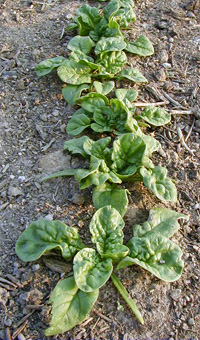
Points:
x=154 y=91
x=103 y=316
x=35 y=307
x=182 y=141
x=14 y=280
x=181 y=112
x=190 y=130
x=24 y=318
x=3 y=206
x=19 y=330
x=2 y=280
x=174 y=102
x=7 y=334
x=150 y=104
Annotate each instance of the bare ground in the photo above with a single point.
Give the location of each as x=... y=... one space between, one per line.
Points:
x=33 y=117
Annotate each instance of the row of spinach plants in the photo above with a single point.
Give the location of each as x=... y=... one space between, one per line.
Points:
x=97 y=58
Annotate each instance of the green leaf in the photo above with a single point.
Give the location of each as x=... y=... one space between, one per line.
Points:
x=122 y=117
x=110 y=195
x=127 y=3
x=44 y=235
x=70 y=306
x=77 y=124
x=87 y=18
x=142 y=47
x=67 y=172
x=157 y=181
x=110 y=44
x=155 y=116
x=99 y=148
x=103 y=88
x=80 y=146
x=75 y=73
x=157 y=254
x=90 y=272
x=128 y=153
x=99 y=30
x=129 y=94
x=92 y=101
x=124 y=16
x=133 y=75
x=106 y=229
x=48 y=65
x=161 y=220
x=112 y=62
x=83 y=44
x=72 y=93
x=110 y=9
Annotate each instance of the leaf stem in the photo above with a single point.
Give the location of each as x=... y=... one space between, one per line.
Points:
x=122 y=290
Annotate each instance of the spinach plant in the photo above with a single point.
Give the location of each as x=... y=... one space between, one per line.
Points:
x=74 y=296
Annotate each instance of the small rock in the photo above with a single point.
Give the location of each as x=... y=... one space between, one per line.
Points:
x=49 y=217
x=4 y=295
x=171 y=40
x=35 y=267
x=162 y=24
x=20 y=84
x=185 y=326
x=44 y=117
x=78 y=199
x=197 y=124
x=163 y=56
x=197 y=206
x=166 y=65
x=176 y=294
x=14 y=192
x=191 y=322
x=160 y=75
x=190 y=15
x=21 y=337
x=22 y=178
x=55 y=113
x=7 y=322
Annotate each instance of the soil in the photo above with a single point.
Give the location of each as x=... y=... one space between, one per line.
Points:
x=32 y=131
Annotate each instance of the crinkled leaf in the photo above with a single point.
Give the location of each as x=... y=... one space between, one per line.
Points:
x=129 y=94
x=142 y=47
x=110 y=195
x=133 y=75
x=127 y=3
x=155 y=116
x=124 y=16
x=110 y=44
x=110 y=9
x=87 y=18
x=72 y=26
x=75 y=73
x=112 y=62
x=122 y=117
x=128 y=153
x=112 y=30
x=161 y=220
x=77 y=55
x=157 y=254
x=99 y=30
x=77 y=124
x=90 y=272
x=93 y=100
x=99 y=148
x=70 y=306
x=157 y=181
x=103 y=88
x=83 y=44
x=44 y=235
x=48 y=65
x=72 y=93
x=80 y=146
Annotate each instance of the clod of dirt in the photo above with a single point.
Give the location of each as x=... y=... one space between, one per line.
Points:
x=4 y=296
x=176 y=294
x=54 y=161
x=14 y=192
x=78 y=199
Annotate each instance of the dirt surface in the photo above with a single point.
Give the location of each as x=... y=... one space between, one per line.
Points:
x=33 y=116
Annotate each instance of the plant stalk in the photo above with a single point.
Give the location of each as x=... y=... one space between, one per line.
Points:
x=122 y=290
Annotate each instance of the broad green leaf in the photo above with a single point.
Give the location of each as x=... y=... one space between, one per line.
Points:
x=103 y=88
x=72 y=26
x=99 y=148
x=90 y=271
x=127 y=3
x=124 y=16
x=112 y=62
x=155 y=116
x=104 y=120
x=122 y=117
x=44 y=235
x=113 y=30
x=92 y=101
x=80 y=146
x=110 y=9
x=152 y=144
x=110 y=44
x=83 y=44
x=99 y=30
x=70 y=306
x=106 y=229
x=128 y=153
x=48 y=65
x=157 y=254
x=157 y=181
x=72 y=93
x=110 y=195
x=87 y=18
x=75 y=73
x=77 y=124
x=142 y=47
x=77 y=56
x=133 y=75
x=129 y=94
x=161 y=220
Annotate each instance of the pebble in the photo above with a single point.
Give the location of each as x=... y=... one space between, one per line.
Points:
x=20 y=84
x=191 y=322
x=176 y=294
x=166 y=65
x=191 y=15
x=14 y=192
x=7 y=322
x=49 y=217
x=4 y=295
x=21 y=337
x=185 y=326
x=55 y=113
x=160 y=75
x=171 y=40
x=22 y=178
x=163 y=56
x=35 y=267
x=78 y=199
x=162 y=24
x=197 y=206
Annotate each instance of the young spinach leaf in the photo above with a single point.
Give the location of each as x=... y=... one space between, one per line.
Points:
x=110 y=9
x=48 y=65
x=75 y=73
x=82 y=44
x=133 y=75
x=155 y=116
x=142 y=47
x=110 y=44
x=103 y=88
x=72 y=93
x=78 y=124
x=82 y=146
